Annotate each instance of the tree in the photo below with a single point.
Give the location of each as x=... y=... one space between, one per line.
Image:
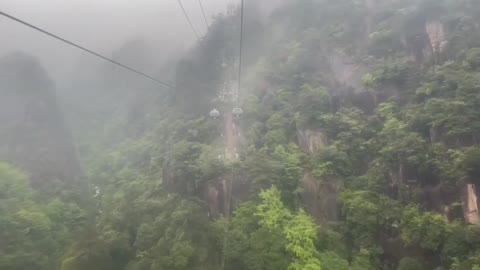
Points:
x=251 y=246
x=408 y=263
x=298 y=229
x=473 y=57
x=428 y=230
x=28 y=237
x=367 y=216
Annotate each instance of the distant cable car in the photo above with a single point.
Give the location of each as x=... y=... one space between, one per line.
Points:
x=214 y=114
x=237 y=111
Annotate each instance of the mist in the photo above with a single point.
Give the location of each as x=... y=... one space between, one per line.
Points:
x=102 y=26
x=293 y=134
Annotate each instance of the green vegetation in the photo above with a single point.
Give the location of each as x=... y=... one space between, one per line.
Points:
x=34 y=231
x=359 y=138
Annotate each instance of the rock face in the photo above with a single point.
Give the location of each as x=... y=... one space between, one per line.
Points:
x=311 y=141
x=320 y=199
x=470 y=205
x=219 y=198
x=33 y=135
x=436 y=34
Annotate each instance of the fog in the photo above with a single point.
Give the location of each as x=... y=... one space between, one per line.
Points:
x=102 y=26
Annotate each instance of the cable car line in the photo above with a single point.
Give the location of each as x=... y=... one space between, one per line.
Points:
x=237 y=112
x=203 y=12
x=241 y=47
x=85 y=49
x=188 y=19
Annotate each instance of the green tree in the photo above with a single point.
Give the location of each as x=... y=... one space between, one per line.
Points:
x=29 y=240
x=428 y=230
x=298 y=229
x=408 y=263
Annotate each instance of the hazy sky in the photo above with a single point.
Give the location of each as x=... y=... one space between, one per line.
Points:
x=100 y=25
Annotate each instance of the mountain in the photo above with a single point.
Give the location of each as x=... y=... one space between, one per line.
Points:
x=351 y=142
x=36 y=138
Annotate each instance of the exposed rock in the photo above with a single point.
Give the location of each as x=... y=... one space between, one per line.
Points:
x=310 y=197
x=232 y=137
x=405 y=175
x=423 y=42
x=33 y=134
x=226 y=197
x=220 y=200
x=311 y=141
x=436 y=34
x=212 y=199
x=320 y=199
x=470 y=205
x=417 y=41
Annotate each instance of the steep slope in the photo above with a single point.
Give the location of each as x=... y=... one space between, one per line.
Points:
x=33 y=132
x=363 y=113
x=43 y=195
x=376 y=93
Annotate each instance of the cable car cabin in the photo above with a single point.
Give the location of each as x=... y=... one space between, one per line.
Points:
x=214 y=114
x=237 y=112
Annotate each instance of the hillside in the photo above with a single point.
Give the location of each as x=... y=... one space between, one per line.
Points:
x=44 y=205
x=357 y=147
x=32 y=127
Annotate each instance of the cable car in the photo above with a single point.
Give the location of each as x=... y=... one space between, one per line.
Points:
x=214 y=114
x=237 y=111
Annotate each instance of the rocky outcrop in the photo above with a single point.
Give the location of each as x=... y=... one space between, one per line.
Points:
x=218 y=198
x=320 y=199
x=470 y=205
x=426 y=41
x=311 y=141
x=223 y=195
x=310 y=197
x=436 y=35
x=33 y=134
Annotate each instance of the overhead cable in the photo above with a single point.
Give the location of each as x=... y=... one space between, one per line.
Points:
x=241 y=47
x=85 y=49
x=188 y=19
x=225 y=243
x=203 y=12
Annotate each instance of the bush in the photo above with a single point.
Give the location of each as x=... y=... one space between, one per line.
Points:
x=473 y=57
x=408 y=263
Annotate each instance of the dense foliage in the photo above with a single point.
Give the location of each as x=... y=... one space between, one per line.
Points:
x=359 y=142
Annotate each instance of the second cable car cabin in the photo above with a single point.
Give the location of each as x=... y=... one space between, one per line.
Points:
x=237 y=111
x=214 y=113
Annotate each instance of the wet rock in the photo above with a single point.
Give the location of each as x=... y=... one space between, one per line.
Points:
x=470 y=205
x=311 y=141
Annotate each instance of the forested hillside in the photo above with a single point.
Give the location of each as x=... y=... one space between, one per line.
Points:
x=357 y=149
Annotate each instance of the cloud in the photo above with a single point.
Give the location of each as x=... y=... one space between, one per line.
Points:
x=103 y=26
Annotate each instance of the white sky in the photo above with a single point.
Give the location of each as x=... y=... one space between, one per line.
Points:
x=100 y=25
